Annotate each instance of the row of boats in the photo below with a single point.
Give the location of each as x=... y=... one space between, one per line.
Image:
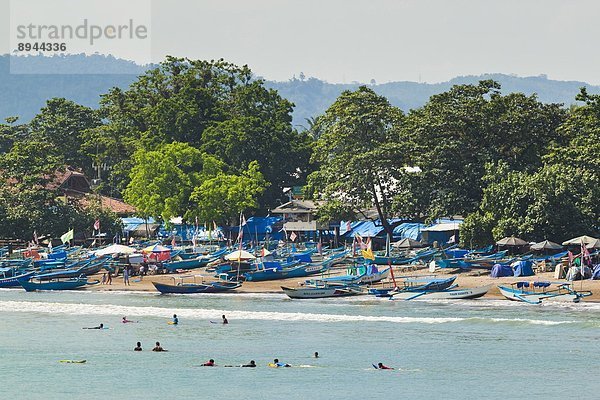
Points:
x=69 y=269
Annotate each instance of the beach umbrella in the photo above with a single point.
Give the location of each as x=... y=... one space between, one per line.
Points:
x=156 y=248
x=239 y=255
x=580 y=240
x=511 y=241
x=115 y=249
x=594 y=245
x=407 y=243
x=546 y=245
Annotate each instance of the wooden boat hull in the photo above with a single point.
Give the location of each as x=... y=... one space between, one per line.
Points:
x=449 y=294
x=59 y=285
x=319 y=293
x=539 y=297
x=193 y=288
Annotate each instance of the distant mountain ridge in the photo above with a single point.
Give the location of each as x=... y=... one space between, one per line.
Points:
x=24 y=94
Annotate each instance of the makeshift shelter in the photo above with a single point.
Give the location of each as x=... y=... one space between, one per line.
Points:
x=411 y=230
x=260 y=227
x=523 y=268
x=443 y=231
x=500 y=270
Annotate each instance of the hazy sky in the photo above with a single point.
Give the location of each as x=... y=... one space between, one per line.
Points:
x=385 y=40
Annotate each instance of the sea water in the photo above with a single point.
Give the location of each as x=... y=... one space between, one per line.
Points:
x=493 y=349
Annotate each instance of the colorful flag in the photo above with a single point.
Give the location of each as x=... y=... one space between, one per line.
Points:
x=244 y=222
x=35 y=237
x=215 y=227
x=348 y=226
x=97 y=225
x=67 y=237
x=368 y=254
x=293 y=236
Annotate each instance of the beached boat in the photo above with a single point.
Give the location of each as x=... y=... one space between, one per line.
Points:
x=415 y=285
x=320 y=291
x=69 y=284
x=538 y=292
x=13 y=281
x=90 y=268
x=183 y=287
x=448 y=294
x=370 y=275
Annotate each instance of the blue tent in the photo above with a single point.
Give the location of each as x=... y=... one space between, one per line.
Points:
x=523 y=268
x=500 y=270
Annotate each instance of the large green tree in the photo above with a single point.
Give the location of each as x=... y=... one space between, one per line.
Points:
x=359 y=155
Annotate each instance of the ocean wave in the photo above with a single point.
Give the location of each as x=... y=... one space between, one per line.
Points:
x=208 y=313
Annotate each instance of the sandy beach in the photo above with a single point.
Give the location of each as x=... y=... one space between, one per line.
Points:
x=464 y=280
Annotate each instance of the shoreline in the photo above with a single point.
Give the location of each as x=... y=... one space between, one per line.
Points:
x=463 y=280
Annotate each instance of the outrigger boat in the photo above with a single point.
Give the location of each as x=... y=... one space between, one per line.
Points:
x=320 y=290
x=182 y=287
x=70 y=284
x=13 y=281
x=538 y=292
x=447 y=294
x=416 y=286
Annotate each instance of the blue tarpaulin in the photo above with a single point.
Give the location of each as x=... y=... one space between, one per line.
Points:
x=410 y=230
x=523 y=268
x=500 y=270
x=261 y=226
x=364 y=228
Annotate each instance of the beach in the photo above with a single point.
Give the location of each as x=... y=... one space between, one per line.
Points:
x=464 y=280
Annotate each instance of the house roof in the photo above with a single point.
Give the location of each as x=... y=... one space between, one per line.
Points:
x=115 y=205
x=296 y=206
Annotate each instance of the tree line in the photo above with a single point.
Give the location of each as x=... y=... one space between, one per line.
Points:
x=207 y=140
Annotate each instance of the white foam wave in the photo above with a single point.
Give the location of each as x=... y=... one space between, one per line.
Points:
x=205 y=313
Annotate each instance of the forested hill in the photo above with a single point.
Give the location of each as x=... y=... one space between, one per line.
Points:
x=24 y=94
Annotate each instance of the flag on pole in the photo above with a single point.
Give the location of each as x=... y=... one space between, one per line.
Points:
x=320 y=248
x=97 y=225
x=67 y=237
x=368 y=254
x=35 y=238
x=293 y=236
x=215 y=227
x=244 y=222
x=348 y=226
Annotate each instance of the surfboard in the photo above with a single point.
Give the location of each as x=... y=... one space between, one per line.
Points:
x=72 y=361
x=171 y=323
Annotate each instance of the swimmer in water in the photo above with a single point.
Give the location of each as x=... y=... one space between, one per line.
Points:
x=278 y=364
x=175 y=320
x=209 y=363
x=224 y=320
x=381 y=366
x=101 y=326
x=252 y=364
x=138 y=347
x=316 y=354
x=158 y=347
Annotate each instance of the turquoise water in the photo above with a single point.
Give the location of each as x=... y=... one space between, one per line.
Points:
x=490 y=349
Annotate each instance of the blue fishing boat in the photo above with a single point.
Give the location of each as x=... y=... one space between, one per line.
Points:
x=538 y=292
x=183 y=287
x=69 y=284
x=13 y=281
x=416 y=285
x=89 y=268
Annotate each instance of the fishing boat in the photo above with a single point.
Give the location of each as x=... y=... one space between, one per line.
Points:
x=538 y=292
x=369 y=274
x=447 y=294
x=69 y=284
x=183 y=287
x=13 y=281
x=415 y=285
x=89 y=268
x=321 y=290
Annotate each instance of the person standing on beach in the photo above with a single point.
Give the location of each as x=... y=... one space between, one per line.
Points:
x=224 y=320
x=126 y=275
x=108 y=277
x=138 y=347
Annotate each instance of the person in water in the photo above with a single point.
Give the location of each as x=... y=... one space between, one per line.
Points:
x=209 y=363
x=175 y=320
x=158 y=347
x=252 y=364
x=101 y=326
x=316 y=354
x=138 y=347
x=280 y=364
x=381 y=366
x=125 y=320
x=224 y=320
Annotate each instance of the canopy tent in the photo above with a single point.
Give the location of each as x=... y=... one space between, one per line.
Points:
x=546 y=245
x=239 y=255
x=139 y=227
x=407 y=243
x=115 y=249
x=580 y=240
x=511 y=241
